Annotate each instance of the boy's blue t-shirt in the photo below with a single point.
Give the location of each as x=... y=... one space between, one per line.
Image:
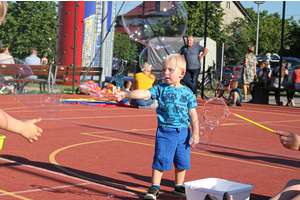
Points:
x=174 y=105
x=238 y=91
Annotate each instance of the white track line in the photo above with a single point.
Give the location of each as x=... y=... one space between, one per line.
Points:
x=45 y=189
x=85 y=182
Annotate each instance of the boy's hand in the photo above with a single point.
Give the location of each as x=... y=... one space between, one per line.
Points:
x=194 y=139
x=289 y=140
x=120 y=94
x=30 y=131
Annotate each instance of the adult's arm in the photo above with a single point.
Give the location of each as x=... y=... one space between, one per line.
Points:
x=204 y=53
x=254 y=68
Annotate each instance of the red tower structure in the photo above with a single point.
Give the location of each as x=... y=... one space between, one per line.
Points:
x=69 y=38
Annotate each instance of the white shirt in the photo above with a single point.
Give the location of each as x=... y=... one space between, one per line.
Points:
x=6 y=59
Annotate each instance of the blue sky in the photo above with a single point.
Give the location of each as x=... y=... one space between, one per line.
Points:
x=291 y=7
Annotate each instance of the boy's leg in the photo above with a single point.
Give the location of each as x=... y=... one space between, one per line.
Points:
x=153 y=191
x=179 y=176
x=235 y=95
x=156 y=176
x=179 y=179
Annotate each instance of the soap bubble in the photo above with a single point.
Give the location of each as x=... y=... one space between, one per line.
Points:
x=155 y=57
x=153 y=22
x=17 y=77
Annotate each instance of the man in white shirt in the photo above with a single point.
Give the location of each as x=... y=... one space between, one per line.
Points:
x=33 y=59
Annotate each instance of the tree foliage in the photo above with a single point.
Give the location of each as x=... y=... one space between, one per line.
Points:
x=242 y=33
x=30 y=24
x=125 y=48
x=196 y=19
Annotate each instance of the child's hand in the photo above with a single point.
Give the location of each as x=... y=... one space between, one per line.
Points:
x=120 y=95
x=194 y=139
x=30 y=131
x=289 y=140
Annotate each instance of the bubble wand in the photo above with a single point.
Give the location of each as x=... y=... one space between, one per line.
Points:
x=219 y=108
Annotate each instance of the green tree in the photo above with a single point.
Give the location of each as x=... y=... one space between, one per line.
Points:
x=196 y=20
x=240 y=37
x=292 y=42
x=242 y=33
x=125 y=48
x=30 y=24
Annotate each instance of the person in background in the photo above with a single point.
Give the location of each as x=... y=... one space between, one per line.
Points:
x=143 y=81
x=44 y=60
x=5 y=57
x=275 y=78
x=193 y=59
x=127 y=86
x=236 y=96
x=264 y=78
x=249 y=69
x=33 y=59
x=26 y=129
x=295 y=85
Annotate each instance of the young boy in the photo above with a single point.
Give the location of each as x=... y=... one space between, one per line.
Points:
x=176 y=110
x=127 y=88
x=235 y=95
x=127 y=85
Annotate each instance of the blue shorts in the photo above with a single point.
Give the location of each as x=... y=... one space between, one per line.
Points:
x=172 y=145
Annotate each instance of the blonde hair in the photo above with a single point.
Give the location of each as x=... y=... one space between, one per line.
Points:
x=3 y=10
x=146 y=67
x=250 y=48
x=180 y=61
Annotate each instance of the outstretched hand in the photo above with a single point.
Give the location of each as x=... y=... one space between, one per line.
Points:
x=30 y=131
x=120 y=94
x=289 y=140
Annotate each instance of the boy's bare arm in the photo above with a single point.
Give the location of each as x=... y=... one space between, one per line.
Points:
x=195 y=125
x=135 y=94
x=194 y=121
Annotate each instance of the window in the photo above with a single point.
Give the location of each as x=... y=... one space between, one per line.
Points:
x=228 y=5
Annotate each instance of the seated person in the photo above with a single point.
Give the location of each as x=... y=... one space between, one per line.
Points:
x=275 y=78
x=5 y=57
x=127 y=88
x=143 y=81
x=263 y=76
x=236 y=96
x=295 y=85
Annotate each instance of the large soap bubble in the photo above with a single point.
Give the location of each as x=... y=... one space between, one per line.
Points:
x=154 y=22
x=16 y=77
x=155 y=57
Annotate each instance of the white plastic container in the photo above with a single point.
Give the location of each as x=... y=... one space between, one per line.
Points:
x=197 y=190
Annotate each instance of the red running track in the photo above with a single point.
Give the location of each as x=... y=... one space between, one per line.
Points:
x=94 y=152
